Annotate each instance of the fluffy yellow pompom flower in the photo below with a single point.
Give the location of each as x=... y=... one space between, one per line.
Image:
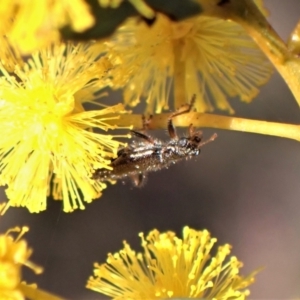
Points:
x=14 y=254
x=33 y=24
x=171 y=267
x=47 y=134
x=9 y=57
x=210 y=57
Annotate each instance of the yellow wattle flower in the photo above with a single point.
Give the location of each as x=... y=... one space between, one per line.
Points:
x=46 y=133
x=212 y=58
x=171 y=267
x=32 y=24
x=14 y=254
x=9 y=56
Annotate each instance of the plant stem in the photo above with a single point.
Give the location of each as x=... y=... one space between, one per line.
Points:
x=35 y=294
x=159 y=121
x=271 y=44
x=248 y=15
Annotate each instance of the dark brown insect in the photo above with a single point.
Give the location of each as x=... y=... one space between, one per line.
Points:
x=149 y=154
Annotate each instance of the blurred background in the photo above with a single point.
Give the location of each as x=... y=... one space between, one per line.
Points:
x=244 y=188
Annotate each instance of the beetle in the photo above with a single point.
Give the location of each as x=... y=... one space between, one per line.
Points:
x=150 y=154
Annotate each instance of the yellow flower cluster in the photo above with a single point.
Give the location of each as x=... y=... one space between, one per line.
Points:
x=52 y=142
x=206 y=56
x=32 y=24
x=48 y=136
x=171 y=267
x=14 y=254
x=47 y=132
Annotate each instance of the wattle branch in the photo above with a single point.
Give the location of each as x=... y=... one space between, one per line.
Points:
x=202 y=120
